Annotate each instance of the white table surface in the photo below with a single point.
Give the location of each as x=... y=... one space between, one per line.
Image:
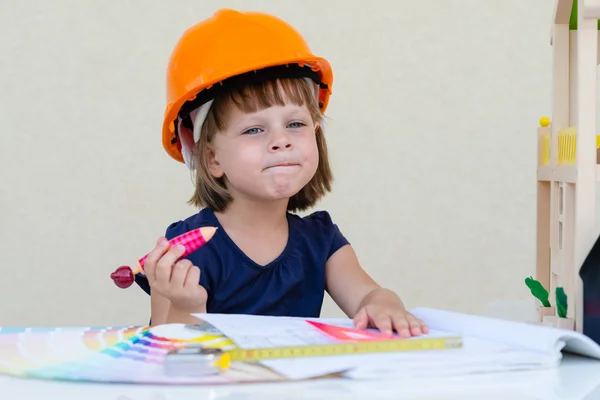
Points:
x=576 y=378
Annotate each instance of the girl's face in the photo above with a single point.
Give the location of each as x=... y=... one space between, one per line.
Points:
x=267 y=155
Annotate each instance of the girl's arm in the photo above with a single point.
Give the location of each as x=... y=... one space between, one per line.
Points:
x=159 y=308
x=362 y=299
x=163 y=312
x=347 y=283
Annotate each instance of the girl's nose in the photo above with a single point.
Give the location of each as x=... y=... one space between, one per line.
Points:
x=280 y=141
x=279 y=146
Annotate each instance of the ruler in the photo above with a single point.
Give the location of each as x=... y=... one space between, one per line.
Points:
x=386 y=346
x=197 y=358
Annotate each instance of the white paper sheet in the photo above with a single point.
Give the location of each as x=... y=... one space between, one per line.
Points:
x=488 y=345
x=250 y=332
x=253 y=331
x=517 y=335
x=476 y=356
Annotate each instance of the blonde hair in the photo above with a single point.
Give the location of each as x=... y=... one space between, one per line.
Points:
x=212 y=192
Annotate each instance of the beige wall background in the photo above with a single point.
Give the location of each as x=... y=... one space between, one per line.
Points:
x=432 y=133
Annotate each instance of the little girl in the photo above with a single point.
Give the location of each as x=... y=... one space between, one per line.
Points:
x=245 y=112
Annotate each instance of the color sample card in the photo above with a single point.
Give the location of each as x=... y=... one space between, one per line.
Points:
x=112 y=354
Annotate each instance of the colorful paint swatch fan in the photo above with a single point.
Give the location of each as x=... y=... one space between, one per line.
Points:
x=121 y=354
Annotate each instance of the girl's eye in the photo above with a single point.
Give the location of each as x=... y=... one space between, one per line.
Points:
x=251 y=131
x=296 y=124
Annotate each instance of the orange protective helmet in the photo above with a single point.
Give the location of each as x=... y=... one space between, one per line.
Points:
x=227 y=50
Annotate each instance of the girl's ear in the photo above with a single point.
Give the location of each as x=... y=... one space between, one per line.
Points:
x=213 y=163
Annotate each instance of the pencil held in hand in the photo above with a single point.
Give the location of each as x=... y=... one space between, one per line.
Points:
x=192 y=241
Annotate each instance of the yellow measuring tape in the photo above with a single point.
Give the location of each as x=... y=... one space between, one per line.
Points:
x=386 y=346
x=220 y=356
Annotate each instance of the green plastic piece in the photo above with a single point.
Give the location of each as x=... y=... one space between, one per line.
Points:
x=573 y=19
x=538 y=291
x=561 y=302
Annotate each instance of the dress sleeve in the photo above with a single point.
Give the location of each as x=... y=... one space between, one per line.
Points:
x=339 y=240
x=333 y=235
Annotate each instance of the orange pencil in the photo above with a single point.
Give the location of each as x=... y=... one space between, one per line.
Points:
x=192 y=241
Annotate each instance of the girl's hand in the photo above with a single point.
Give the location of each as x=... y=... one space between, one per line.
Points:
x=383 y=310
x=176 y=280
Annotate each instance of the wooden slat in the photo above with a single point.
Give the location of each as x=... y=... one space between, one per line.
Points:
x=584 y=227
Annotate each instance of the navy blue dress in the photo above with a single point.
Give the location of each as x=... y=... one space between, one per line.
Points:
x=291 y=285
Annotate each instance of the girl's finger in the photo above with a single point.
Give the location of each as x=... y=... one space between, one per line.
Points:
x=153 y=257
x=424 y=327
x=192 y=278
x=401 y=325
x=164 y=266
x=383 y=322
x=414 y=325
x=361 y=319
x=179 y=273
